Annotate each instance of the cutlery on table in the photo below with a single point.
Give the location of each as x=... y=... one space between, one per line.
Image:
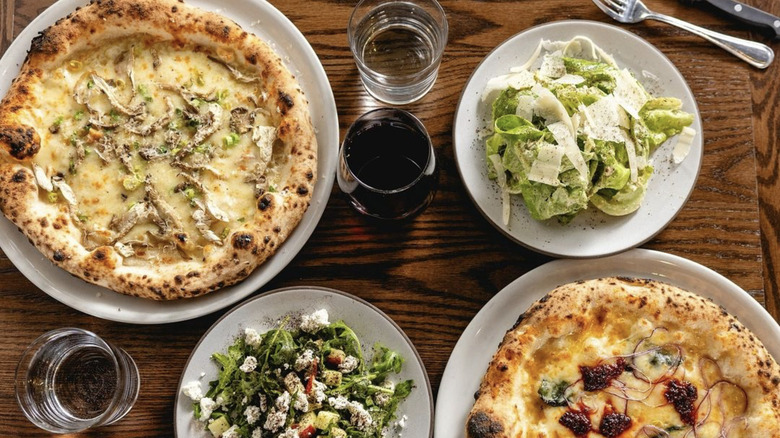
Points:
x=633 y=11
x=748 y=14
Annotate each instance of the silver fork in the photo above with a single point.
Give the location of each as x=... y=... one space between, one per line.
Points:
x=633 y=11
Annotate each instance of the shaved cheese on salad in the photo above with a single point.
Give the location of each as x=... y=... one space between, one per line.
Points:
x=562 y=135
x=545 y=168
x=572 y=129
x=495 y=159
x=518 y=81
x=683 y=146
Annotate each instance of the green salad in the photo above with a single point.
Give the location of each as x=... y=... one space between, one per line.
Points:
x=577 y=131
x=309 y=381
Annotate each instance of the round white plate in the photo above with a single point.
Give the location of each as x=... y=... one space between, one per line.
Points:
x=263 y=19
x=471 y=356
x=264 y=312
x=591 y=233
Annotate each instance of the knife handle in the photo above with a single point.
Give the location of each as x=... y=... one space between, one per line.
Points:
x=748 y=14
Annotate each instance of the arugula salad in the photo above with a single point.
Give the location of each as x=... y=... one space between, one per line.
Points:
x=578 y=130
x=309 y=381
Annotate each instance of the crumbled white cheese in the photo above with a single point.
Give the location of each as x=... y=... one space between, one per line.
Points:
x=360 y=417
x=257 y=433
x=252 y=414
x=348 y=364
x=193 y=390
x=263 y=403
x=220 y=400
x=339 y=402
x=402 y=421
x=301 y=404
x=249 y=365
x=252 y=338
x=289 y=433
x=207 y=406
x=318 y=392
x=314 y=322
x=304 y=361
x=275 y=420
x=283 y=402
x=381 y=398
x=232 y=432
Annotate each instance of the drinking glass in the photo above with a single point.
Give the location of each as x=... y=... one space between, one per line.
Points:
x=69 y=380
x=387 y=164
x=397 y=46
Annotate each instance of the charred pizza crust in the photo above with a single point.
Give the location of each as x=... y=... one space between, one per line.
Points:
x=597 y=322
x=53 y=226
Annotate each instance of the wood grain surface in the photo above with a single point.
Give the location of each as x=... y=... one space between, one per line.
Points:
x=434 y=273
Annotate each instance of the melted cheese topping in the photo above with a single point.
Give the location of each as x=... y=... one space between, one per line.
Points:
x=653 y=357
x=165 y=149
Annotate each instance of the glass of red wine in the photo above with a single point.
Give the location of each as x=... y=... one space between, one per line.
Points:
x=387 y=165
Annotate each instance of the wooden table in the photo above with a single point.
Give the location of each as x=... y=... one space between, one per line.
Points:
x=433 y=274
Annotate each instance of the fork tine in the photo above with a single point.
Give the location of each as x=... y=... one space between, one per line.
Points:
x=602 y=4
x=617 y=5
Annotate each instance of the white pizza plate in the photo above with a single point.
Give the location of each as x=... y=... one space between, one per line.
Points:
x=476 y=346
x=272 y=26
x=591 y=233
x=265 y=311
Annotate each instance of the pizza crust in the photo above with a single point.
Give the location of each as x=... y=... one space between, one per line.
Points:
x=51 y=228
x=507 y=404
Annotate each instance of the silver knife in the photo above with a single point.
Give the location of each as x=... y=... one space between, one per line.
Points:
x=748 y=14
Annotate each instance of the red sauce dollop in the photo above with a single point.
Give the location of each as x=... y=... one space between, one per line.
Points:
x=614 y=423
x=600 y=376
x=682 y=395
x=577 y=422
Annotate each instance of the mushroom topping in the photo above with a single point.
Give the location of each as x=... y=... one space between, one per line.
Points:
x=96 y=119
x=124 y=250
x=106 y=149
x=207 y=124
x=172 y=139
x=264 y=137
x=123 y=64
x=82 y=91
x=202 y=223
x=261 y=183
x=134 y=124
x=151 y=153
x=234 y=71
x=42 y=179
x=155 y=59
x=67 y=192
x=108 y=90
x=167 y=212
x=241 y=120
x=123 y=224
x=189 y=95
x=125 y=156
x=206 y=203
x=80 y=154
